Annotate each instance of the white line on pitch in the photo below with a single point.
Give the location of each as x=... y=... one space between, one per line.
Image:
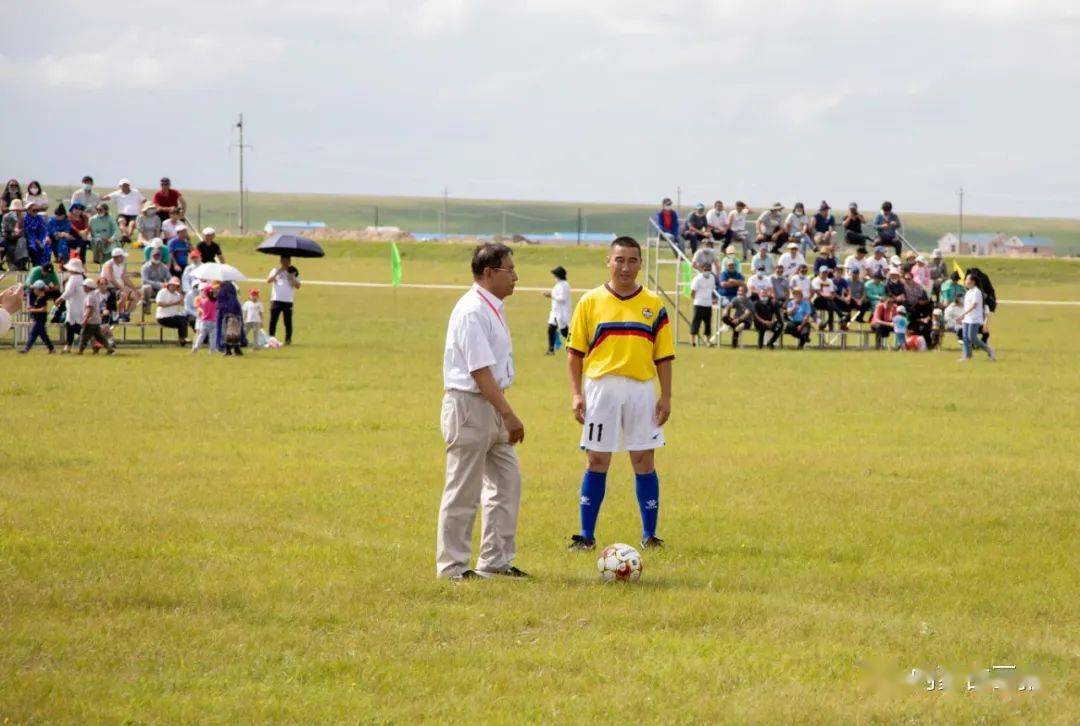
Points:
x=429 y=286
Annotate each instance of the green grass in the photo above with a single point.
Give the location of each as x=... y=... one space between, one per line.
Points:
x=493 y=216
x=194 y=539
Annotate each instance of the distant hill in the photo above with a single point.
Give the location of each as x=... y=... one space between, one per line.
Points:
x=490 y=216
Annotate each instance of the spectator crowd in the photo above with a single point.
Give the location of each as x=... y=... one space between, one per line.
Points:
x=81 y=231
x=764 y=279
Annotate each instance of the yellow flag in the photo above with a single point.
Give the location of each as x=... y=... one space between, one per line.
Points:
x=959 y=270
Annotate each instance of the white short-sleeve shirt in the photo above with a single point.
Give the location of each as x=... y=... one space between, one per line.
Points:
x=759 y=285
x=702 y=286
x=561 y=308
x=130 y=203
x=477 y=337
x=973 y=298
x=280 y=289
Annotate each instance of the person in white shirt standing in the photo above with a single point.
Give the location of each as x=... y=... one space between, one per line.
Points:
x=284 y=281
x=703 y=290
x=561 y=309
x=973 y=319
x=129 y=202
x=481 y=465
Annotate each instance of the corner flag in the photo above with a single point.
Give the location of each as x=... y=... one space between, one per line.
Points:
x=395 y=265
x=958 y=269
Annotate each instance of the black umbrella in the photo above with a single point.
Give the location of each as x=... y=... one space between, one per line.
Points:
x=291 y=245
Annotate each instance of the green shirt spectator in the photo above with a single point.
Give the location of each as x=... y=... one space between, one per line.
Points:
x=104 y=235
x=50 y=278
x=950 y=290
x=156 y=244
x=875 y=291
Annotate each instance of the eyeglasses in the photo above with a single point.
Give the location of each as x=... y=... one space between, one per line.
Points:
x=511 y=270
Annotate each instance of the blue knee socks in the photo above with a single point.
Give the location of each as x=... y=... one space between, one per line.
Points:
x=593 y=486
x=648 y=497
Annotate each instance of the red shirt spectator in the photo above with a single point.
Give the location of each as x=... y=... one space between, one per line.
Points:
x=167 y=198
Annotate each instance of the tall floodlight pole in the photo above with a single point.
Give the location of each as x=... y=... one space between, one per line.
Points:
x=241 y=145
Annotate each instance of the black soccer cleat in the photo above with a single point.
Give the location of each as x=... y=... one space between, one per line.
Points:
x=514 y=572
x=584 y=544
x=651 y=542
x=466 y=575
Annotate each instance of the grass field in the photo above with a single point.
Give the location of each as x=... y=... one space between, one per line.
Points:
x=492 y=216
x=194 y=539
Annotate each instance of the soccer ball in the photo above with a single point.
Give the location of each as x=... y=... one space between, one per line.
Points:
x=619 y=562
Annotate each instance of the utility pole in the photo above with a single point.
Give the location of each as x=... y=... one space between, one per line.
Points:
x=678 y=199
x=445 y=209
x=579 y=226
x=241 y=146
x=960 y=236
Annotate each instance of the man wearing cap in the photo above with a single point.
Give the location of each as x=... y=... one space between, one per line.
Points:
x=479 y=426
x=166 y=199
x=13 y=233
x=209 y=249
x=717 y=219
x=170 y=309
x=790 y=261
x=179 y=249
x=129 y=201
x=770 y=229
x=153 y=275
x=696 y=228
x=85 y=195
x=47 y=275
x=562 y=308
x=878 y=264
x=888 y=226
x=74 y=300
x=96 y=299
x=730 y=280
x=852 y=224
x=156 y=244
x=121 y=290
x=149 y=225
x=104 y=233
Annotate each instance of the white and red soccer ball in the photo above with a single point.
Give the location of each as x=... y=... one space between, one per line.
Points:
x=619 y=563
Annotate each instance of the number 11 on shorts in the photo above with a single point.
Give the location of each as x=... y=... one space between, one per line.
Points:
x=599 y=432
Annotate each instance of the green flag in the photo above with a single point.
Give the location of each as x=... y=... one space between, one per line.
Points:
x=685 y=275
x=395 y=265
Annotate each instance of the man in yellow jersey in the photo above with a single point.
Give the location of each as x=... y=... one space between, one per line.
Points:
x=620 y=340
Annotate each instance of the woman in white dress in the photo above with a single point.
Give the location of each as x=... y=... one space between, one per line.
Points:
x=561 y=307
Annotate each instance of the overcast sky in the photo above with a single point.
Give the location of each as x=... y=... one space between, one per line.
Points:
x=593 y=100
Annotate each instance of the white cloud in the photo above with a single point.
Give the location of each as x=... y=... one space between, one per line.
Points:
x=436 y=17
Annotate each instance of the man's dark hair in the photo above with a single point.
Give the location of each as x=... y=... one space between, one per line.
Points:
x=627 y=242
x=886 y=207
x=489 y=254
x=88 y=180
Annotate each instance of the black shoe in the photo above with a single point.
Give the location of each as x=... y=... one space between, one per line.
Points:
x=510 y=571
x=466 y=575
x=651 y=542
x=577 y=542
x=239 y=352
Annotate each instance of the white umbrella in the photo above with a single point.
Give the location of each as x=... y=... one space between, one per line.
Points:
x=217 y=271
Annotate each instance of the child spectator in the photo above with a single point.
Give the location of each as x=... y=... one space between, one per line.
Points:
x=206 y=304
x=900 y=326
x=38 y=307
x=253 y=316
x=96 y=301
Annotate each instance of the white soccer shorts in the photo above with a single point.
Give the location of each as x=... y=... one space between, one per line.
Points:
x=620 y=415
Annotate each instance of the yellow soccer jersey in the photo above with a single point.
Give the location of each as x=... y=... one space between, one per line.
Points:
x=624 y=336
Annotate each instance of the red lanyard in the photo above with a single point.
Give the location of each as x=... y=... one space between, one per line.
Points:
x=494 y=310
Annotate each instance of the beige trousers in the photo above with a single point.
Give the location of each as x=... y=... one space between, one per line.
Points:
x=481 y=468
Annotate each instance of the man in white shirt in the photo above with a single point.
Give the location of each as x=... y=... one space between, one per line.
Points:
x=737 y=225
x=973 y=318
x=717 y=219
x=481 y=466
x=801 y=281
x=854 y=262
x=561 y=308
x=284 y=281
x=170 y=309
x=703 y=290
x=876 y=265
x=759 y=283
x=824 y=290
x=121 y=289
x=129 y=202
x=790 y=261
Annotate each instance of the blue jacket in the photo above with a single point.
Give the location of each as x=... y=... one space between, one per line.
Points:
x=36 y=244
x=673 y=229
x=53 y=228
